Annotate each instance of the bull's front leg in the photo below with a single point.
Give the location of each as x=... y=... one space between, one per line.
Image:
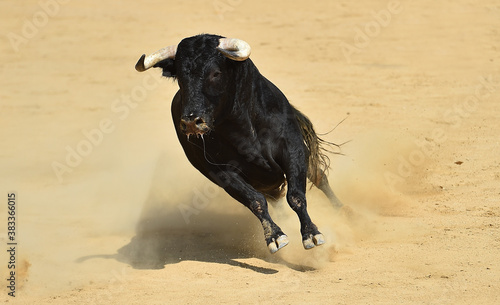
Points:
x=257 y=203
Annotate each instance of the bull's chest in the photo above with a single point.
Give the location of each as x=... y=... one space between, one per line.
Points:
x=246 y=152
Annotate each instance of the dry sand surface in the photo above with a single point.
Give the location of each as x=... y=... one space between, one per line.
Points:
x=101 y=182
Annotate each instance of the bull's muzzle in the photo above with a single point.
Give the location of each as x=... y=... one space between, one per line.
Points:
x=193 y=126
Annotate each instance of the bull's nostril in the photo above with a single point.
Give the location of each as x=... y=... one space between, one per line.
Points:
x=191 y=126
x=199 y=121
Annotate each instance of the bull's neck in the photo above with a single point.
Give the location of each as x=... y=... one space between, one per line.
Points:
x=244 y=99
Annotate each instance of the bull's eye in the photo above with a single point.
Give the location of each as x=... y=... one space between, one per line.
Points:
x=215 y=75
x=214 y=86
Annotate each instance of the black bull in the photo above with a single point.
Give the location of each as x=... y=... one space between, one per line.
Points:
x=240 y=131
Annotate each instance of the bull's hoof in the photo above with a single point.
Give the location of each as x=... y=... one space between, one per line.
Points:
x=278 y=243
x=312 y=241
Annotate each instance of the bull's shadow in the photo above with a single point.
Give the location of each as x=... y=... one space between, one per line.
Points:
x=156 y=245
x=193 y=229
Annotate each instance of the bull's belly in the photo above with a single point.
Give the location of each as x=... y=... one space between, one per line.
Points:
x=274 y=192
x=269 y=182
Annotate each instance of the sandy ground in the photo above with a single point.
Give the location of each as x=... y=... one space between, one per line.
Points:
x=110 y=212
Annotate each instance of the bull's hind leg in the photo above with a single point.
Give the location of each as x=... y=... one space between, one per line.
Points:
x=311 y=237
x=321 y=182
x=296 y=197
x=257 y=203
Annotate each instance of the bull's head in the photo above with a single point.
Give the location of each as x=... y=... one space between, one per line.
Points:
x=203 y=66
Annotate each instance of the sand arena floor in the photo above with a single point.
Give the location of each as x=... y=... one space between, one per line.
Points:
x=419 y=84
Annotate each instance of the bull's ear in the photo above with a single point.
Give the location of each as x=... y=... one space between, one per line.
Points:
x=168 y=66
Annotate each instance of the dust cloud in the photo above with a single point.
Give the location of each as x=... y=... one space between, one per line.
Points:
x=186 y=217
x=374 y=173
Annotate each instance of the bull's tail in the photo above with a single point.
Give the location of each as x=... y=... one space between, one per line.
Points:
x=319 y=163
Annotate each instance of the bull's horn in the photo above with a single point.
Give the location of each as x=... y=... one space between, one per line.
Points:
x=146 y=62
x=235 y=49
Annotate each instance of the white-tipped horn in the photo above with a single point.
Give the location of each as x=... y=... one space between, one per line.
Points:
x=235 y=49
x=146 y=62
